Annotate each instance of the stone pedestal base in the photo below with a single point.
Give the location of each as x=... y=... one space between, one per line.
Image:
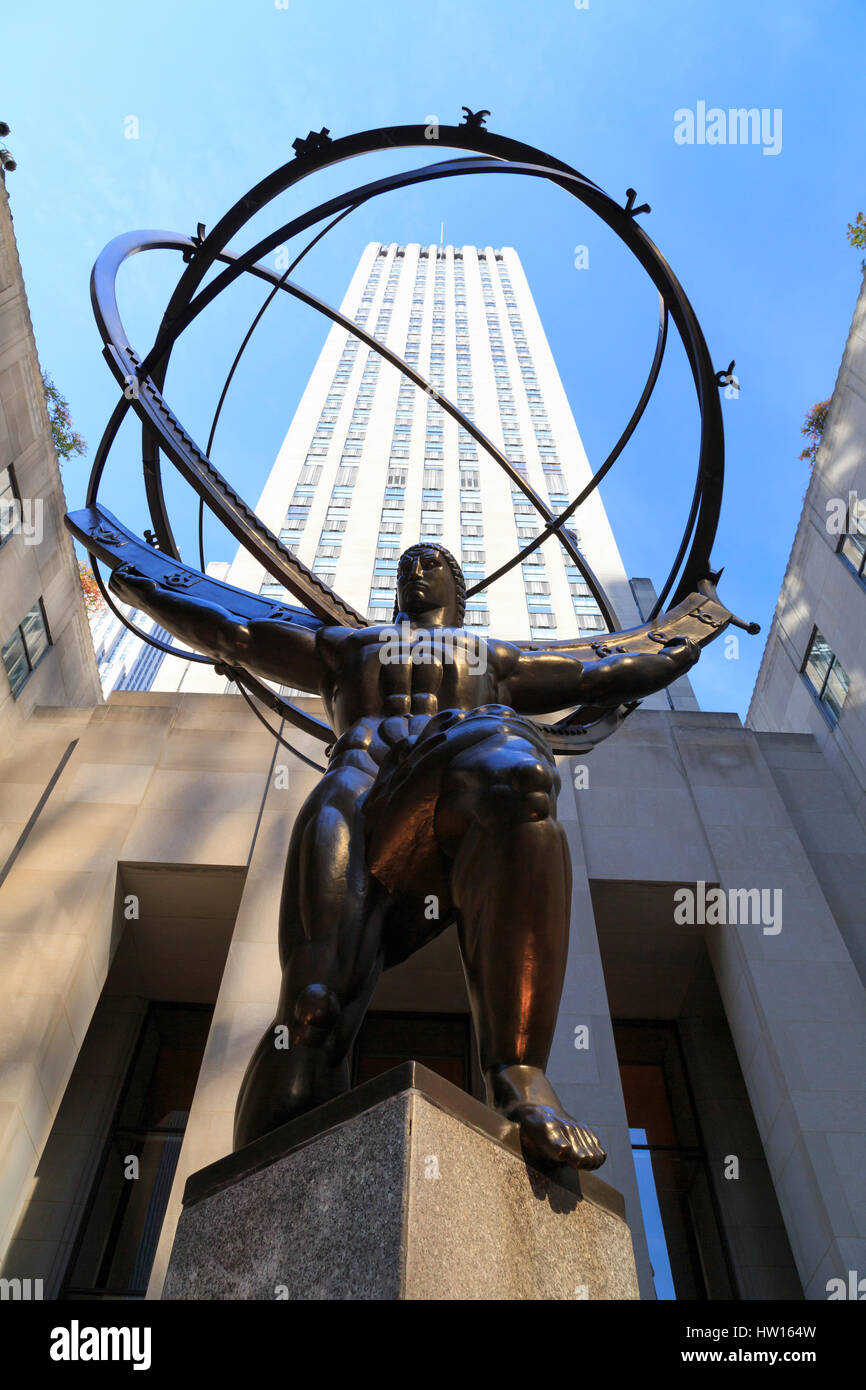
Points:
x=405 y=1188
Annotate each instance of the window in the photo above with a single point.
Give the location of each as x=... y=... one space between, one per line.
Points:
x=825 y=676
x=687 y=1252
x=9 y=502
x=26 y=647
x=116 y=1245
x=852 y=546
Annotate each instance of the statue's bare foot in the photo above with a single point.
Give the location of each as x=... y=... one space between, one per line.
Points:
x=548 y=1133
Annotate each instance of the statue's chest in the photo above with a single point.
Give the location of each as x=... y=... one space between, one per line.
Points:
x=417 y=674
x=415 y=668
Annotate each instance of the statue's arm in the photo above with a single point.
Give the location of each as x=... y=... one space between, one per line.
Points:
x=540 y=682
x=278 y=650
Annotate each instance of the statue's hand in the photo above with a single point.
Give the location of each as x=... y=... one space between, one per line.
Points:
x=131 y=585
x=681 y=652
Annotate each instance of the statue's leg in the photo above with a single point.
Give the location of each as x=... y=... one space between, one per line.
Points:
x=331 y=958
x=511 y=885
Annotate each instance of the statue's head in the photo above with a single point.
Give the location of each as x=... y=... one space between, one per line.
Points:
x=429 y=578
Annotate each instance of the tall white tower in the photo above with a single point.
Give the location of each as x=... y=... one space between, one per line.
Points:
x=371 y=464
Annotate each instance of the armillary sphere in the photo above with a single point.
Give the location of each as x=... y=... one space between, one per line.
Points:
x=694 y=609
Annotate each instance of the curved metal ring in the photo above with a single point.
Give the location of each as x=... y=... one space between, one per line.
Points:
x=501 y=155
x=151 y=406
x=703 y=517
x=239 y=264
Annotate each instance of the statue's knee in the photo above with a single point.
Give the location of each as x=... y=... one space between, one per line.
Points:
x=314 y=1014
x=532 y=786
x=526 y=791
x=515 y=789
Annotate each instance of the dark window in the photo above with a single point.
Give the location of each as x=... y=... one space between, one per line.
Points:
x=10 y=503
x=826 y=676
x=119 y=1234
x=26 y=647
x=688 y=1257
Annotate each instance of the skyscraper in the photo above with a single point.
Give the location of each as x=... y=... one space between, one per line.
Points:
x=371 y=464
x=125 y=661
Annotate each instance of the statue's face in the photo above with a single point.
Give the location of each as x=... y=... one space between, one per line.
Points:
x=424 y=583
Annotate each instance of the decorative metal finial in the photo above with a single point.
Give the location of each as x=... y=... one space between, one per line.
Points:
x=475 y=119
x=314 y=142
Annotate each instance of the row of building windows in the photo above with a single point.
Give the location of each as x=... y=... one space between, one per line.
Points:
x=542 y=619
x=392 y=515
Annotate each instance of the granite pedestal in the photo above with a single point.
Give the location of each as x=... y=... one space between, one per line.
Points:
x=405 y=1188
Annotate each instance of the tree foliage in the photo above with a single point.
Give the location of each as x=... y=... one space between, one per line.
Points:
x=67 y=441
x=857 y=231
x=93 y=599
x=857 y=235
x=813 y=428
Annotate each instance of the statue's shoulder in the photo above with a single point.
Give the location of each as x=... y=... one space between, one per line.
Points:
x=502 y=654
x=331 y=638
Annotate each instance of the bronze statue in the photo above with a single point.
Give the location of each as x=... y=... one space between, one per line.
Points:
x=438 y=803
x=438 y=806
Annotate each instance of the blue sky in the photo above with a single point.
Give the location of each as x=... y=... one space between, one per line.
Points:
x=220 y=91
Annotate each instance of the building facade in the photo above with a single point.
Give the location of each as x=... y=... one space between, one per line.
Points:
x=47 y=656
x=812 y=677
x=713 y=1024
